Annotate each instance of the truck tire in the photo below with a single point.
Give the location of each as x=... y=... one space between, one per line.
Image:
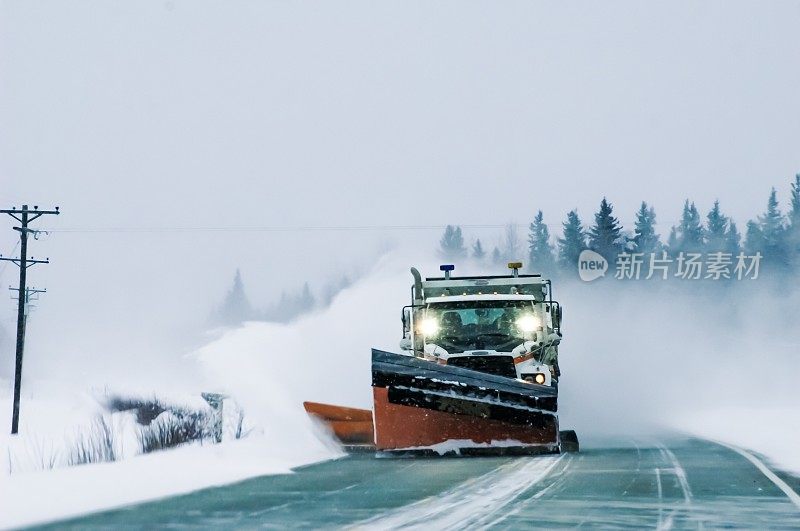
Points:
x=569 y=441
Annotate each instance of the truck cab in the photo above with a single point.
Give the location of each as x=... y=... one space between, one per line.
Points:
x=507 y=325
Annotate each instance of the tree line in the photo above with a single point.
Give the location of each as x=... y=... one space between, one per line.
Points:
x=236 y=307
x=773 y=234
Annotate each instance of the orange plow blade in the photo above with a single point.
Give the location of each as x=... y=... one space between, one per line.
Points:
x=353 y=427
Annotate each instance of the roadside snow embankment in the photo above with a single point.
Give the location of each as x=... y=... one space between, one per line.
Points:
x=37 y=497
x=773 y=432
x=37 y=483
x=268 y=369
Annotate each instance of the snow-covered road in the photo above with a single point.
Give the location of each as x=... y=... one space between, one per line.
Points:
x=680 y=483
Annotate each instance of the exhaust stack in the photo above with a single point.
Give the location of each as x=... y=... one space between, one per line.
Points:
x=417 y=286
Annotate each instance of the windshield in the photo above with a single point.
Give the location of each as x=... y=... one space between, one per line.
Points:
x=478 y=325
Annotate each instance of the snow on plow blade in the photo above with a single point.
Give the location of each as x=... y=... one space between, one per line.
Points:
x=352 y=427
x=421 y=406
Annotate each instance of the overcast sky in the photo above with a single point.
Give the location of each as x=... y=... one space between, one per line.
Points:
x=185 y=113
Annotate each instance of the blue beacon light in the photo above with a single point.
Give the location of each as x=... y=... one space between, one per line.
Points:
x=447 y=268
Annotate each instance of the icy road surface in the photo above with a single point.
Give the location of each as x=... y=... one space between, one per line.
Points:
x=686 y=484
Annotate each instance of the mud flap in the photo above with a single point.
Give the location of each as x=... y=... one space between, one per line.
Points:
x=569 y=441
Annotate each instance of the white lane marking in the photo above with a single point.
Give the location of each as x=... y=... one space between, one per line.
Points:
x=471 y=501
x=662 y=525
x=680 y=473
x=658 y=479
x=790 y=493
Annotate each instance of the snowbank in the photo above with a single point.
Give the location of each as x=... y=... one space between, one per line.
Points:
x=772 y=432
x=269 y=368
x=38 y=497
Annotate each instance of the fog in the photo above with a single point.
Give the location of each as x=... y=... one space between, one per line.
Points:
x=303 y=141
x=638 y=360
x=641 y=359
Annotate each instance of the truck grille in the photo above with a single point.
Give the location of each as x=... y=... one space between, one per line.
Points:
x=499 y=365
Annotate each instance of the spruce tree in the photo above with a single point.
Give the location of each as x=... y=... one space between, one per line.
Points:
x=733 y=240
x=772 y=232
x=794 y=213
x=754 y=238
x=540 y=250
x=793 y=225
x=772 y=225
x=306 y=299
x=690 y=236
x=477 y=250
x=497 y=256
x=451 y=246
x=716 y=230
x=291 y=305
x=672 y=240
x=605 y=236
x=645 y=237
x=573 y=242
x=235 y=308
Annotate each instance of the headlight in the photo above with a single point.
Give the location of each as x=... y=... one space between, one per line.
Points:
x=538 y=378
x=528 y=323
x=429 y=326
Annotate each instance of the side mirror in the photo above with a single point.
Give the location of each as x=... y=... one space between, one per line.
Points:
x=405 y=344
x=406 y=318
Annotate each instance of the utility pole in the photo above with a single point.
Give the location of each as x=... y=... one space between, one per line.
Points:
x=24 y=216
x=31 y=294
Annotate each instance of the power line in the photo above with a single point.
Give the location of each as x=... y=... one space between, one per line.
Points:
x=297 y=228
x=5 y=263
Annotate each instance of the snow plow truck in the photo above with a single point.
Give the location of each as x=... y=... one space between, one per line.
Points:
x=477 y=374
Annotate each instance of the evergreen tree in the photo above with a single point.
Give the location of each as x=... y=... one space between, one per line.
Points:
x=754 y=238
x=497 y=256
x=793 y=226
x=771 y=235
x=690 y=236
x=306 y=299
x=451 y=246
x=477 y=250
x=235 y=308
x=645 y=237
x=540 y=250
x=290 y=306
x=794 y=213
x=605 y=236
x=733 y=240
x=573 y=242
x=716 y=230
x=672 y=241
x=772 y=223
